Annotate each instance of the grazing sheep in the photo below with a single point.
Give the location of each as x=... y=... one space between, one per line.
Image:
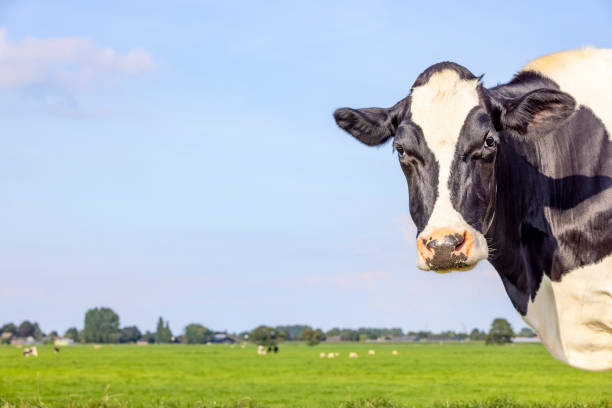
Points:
x=394 y=352
x=261 y=350
x=353 y=355
x=96 y=346
x=336 y=354
x=322 y=355
x=331 y=355
x=371 y=352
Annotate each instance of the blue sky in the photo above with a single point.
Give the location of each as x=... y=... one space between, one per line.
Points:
x=181 y=159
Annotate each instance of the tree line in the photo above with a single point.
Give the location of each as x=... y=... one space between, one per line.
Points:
x=102 y=325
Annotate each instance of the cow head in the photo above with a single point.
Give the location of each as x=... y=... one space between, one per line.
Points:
x=446 y=134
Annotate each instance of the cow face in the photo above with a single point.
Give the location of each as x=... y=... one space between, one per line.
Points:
x=446 y=146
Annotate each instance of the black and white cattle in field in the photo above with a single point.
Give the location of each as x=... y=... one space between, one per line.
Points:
x=519 y=174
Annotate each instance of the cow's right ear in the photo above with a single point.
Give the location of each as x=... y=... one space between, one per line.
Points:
x=371 y=126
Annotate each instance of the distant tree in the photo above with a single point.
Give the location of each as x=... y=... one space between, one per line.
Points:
x=53 y=333
x=333 y=332
x=101 y=326
x=38 y=333
x=462 y=336
x=312 y=337
x=397 y=331
x=266 y=336
x=293 y=332
x=369 y=333
x=148 y=337
x=129 y=334
x=9 y=328
x=526 y=332
x=197 y=334
x=477 y=335
x=500 y=333
x=26 y=329
x=424 y=335
x=349 y=335
x=72 y=333
x=163 y=333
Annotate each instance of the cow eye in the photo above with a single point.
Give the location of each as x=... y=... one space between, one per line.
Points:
x=490 y=141
x=400 y=151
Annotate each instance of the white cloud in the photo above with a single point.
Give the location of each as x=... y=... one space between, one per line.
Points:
x=70 y=61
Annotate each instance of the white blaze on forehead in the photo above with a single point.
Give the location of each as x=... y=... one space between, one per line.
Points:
x=440 y=108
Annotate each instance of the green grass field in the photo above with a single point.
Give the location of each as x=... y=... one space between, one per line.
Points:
x=180 y=375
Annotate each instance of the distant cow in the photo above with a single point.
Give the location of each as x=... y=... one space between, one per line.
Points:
x=56 y=349
x=519 y=174
x=32 y=351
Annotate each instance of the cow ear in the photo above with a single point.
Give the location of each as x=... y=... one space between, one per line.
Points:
x=371 y=126
x=541 y=110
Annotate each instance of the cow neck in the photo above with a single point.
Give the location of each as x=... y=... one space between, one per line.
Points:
x=520 y=196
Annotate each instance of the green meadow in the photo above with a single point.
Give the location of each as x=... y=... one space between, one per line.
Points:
x=219 y=375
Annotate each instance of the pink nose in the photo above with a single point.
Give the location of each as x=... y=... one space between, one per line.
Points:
x=445 y=248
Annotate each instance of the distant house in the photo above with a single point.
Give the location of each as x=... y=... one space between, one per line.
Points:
x=63 y=342
x=6 y=336
x=526 y=340
x=21 y=341
x=222 y=338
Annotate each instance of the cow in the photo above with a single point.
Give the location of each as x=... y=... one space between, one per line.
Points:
x=519 y=174
x=32 y=351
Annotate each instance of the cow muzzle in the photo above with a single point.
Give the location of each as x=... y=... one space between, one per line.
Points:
x=446 y=249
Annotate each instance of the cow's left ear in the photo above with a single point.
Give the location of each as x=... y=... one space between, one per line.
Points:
x=541 y=110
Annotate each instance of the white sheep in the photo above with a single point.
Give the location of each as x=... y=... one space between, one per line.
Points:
x=322 y=355
x=353 y=355
x=371 y=352
x=394 y=352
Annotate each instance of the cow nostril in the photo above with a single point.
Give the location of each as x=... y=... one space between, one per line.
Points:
x=460 y=241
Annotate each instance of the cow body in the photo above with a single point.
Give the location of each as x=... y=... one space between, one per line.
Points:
x=519 y=174
x=572 y=312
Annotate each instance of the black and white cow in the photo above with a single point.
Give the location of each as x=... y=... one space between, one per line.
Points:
x=519 y=174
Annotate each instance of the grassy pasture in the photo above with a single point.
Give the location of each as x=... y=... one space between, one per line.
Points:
x=180 y=375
